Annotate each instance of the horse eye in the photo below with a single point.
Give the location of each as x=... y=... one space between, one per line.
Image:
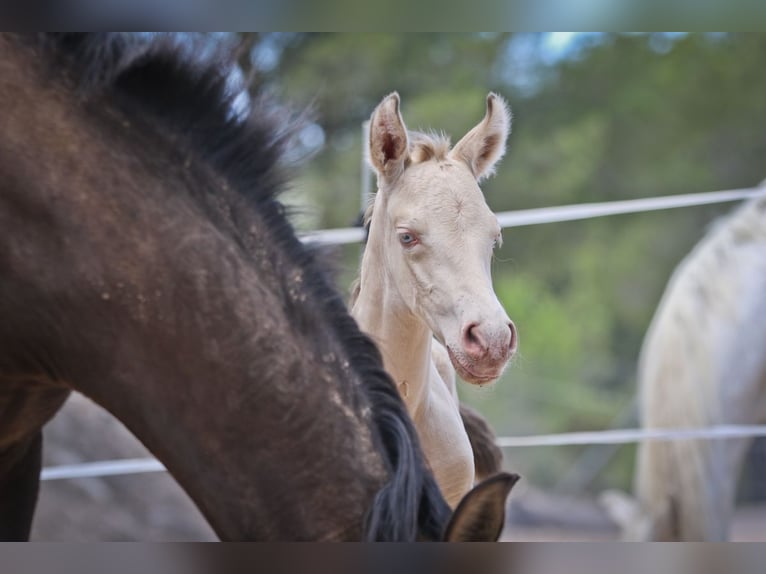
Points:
x=407 y=239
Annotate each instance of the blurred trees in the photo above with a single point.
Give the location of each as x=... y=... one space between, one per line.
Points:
x=609 y=117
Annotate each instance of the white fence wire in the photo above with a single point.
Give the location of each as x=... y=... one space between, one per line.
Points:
x=102 y=468
x=575 y=212
x=506 y=219
x=615 y=436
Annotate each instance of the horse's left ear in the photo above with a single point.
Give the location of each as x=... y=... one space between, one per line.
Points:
x=480 y=515
x=483 y=146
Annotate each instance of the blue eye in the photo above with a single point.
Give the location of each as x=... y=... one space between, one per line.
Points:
x=408 y=239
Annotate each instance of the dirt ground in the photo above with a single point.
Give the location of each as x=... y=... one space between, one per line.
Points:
x=152 y=507
x=749 y=526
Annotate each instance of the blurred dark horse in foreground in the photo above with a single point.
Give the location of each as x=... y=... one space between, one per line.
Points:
x=146 y=263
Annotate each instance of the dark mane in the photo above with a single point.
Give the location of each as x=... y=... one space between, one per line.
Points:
x=186 y=88
x=186 y=97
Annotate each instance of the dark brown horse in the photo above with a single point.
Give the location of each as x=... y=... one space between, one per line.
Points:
x=146 y=263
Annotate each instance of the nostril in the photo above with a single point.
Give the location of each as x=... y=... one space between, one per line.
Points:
x=470 y=334
x=514 y=337
x=473 y=341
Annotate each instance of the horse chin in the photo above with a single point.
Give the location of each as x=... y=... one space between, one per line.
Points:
x=479 y=381
x=470 y=375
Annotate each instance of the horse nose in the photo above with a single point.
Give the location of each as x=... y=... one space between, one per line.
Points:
x=479 y=344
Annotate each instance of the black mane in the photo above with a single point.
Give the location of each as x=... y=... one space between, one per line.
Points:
x=187 y=88
x=188 y=96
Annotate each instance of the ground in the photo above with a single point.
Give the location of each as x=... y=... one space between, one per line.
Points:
x=153 y=507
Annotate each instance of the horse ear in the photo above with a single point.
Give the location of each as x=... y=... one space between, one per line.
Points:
x=480 y=516
x=483 y=146
x=388 y=143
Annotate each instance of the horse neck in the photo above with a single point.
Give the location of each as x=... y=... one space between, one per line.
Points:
x=220 y=426
x=249 y=418
x=115 y=285
x=403 y=338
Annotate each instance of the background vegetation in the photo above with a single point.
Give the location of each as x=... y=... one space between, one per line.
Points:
x=596 y=117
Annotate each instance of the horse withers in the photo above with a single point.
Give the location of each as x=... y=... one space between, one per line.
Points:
x=146 y=262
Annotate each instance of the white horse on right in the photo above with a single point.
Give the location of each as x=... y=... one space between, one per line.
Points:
x=703 y=363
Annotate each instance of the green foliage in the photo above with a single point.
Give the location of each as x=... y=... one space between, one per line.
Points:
x=555 y=166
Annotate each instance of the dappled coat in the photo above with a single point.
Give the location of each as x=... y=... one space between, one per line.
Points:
x=703 y=363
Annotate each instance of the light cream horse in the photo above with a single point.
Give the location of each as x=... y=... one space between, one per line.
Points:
x=703 y=363
x=425 y=290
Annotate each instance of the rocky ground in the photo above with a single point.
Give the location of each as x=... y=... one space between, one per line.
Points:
x=136 y=507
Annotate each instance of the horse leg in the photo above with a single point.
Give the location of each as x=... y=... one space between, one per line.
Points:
x=19 y=484
x=709 y=472
x=686 y=489
x=24 y=408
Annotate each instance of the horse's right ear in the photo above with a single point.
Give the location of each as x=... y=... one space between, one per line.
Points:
x=480 y=516
x=388 y=143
